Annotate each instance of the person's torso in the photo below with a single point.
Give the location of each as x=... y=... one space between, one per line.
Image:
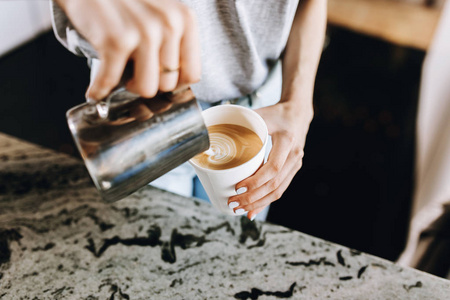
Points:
x=240 y=42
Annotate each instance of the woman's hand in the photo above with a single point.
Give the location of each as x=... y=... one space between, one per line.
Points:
x=288 y=128
x=288 y=121
x=160 y=37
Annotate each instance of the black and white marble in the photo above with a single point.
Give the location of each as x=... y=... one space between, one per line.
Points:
x=58 y=240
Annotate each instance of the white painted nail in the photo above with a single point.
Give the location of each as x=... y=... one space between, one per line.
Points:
x=233 y=204
x=241 y=190
x=253 y=218
x=240 y=211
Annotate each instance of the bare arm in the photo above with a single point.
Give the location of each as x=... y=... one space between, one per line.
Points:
x=288 y=121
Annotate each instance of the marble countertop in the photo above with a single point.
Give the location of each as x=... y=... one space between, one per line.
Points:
x=58 y=240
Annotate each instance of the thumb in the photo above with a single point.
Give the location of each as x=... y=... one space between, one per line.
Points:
x=269 y=114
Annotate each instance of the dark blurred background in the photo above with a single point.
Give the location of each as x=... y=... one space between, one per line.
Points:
x=355 y=187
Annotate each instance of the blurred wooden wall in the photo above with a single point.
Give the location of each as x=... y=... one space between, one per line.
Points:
x=409 y=23
x=429 y=3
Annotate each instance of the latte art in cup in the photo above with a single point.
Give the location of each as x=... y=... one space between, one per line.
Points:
x=230 y=146
x=241 y=132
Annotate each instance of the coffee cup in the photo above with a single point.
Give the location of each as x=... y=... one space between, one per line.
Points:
x=220 y=175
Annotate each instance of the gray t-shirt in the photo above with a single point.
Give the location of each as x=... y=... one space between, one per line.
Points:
x=241 y=40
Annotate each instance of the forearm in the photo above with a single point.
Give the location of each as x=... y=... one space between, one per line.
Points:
x=302 y=55
x=289 y=120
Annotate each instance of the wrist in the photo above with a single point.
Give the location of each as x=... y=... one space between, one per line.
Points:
x=298 y=99
x=297 y=109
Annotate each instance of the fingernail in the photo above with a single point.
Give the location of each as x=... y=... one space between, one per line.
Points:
x=253 y=218
x=240 y=211
x=241 y=190
x=233 y=204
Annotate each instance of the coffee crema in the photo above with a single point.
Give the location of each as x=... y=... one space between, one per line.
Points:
x=230 y=146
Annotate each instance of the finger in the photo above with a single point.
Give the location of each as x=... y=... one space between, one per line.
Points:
x=112 y=64
x=145 y=79
x=114 y=42
x=252 y=214
x=170 y=62
x=269 y=198
x=282 y=145
x=190 y=65
x=245 y=199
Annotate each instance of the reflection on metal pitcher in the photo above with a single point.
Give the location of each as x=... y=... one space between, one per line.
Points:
x=129 y=141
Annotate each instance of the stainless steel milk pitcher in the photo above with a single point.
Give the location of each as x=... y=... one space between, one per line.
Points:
x=128 y=141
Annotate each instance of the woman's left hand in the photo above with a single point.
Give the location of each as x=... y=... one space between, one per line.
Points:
x=288 y=128
x=288 y=121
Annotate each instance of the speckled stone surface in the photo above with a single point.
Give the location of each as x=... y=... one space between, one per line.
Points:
x=59 y=241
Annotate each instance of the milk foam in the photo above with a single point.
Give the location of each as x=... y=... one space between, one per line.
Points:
x=230 y=146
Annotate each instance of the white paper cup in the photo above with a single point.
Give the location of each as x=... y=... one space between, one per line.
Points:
x=220 y=184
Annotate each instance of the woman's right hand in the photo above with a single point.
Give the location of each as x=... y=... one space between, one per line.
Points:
x=160 y=37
